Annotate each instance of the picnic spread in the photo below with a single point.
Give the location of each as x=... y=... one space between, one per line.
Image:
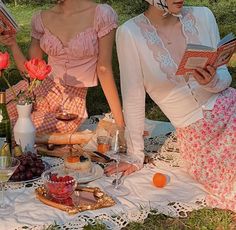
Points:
x=38 y=204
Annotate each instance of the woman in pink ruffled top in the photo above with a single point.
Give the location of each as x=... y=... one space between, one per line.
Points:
x=77 y=36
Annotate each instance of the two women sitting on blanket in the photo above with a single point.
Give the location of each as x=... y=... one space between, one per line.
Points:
x=200 y=105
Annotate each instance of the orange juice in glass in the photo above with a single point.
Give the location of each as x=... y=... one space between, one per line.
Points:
x=103 y=144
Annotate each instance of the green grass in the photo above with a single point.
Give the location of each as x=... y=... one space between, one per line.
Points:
x=205 y=219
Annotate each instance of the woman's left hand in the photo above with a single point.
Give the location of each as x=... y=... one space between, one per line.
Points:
x=124 y=167
x=204 y=76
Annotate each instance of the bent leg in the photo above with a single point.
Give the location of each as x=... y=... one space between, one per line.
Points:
x=49 y=99
x=209 y=148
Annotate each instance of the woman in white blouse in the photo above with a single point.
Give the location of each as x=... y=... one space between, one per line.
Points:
x=202 y=107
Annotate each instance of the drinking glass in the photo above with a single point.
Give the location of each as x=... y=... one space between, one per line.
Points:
x=64 y=115
x=8 y=165
x=117 y=188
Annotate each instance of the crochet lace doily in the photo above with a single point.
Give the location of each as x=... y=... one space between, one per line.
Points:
x=162 y=150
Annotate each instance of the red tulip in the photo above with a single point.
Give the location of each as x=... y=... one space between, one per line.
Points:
x=37 y=69
x=4 y=60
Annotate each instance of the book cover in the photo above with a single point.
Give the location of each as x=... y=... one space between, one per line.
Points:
x=8 y=24
x=201 y=56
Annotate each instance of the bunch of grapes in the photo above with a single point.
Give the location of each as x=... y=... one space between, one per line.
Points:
x=31 y=166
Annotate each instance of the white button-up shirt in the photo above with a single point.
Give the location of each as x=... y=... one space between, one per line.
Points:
x=147 y=66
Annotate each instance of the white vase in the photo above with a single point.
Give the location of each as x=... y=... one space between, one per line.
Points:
x=24 y=129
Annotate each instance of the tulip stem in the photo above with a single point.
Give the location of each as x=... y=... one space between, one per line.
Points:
x=32 y=85
x=8 y=84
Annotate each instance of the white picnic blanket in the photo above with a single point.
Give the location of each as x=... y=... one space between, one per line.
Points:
x=181 y=195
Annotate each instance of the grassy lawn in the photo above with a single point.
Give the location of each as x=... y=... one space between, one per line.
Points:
x=203 y=219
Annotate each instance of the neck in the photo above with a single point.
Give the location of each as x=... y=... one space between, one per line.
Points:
x=156 y=17
x=71 y=6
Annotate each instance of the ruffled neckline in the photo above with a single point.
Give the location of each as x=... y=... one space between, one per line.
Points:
x=88 y=30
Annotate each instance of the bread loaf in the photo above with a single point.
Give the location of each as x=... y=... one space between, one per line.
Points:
x=64 y=138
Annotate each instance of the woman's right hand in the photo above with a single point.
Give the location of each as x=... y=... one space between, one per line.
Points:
x=124 y=167
x=8 y=40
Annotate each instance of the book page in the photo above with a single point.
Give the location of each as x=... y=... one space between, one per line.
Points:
x=194 y=62
x=224 y=53
x=199 y=47
x=228 y=38
x=195 y=58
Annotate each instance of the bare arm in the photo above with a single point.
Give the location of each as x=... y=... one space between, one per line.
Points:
x=34 y=50
x=105 y=75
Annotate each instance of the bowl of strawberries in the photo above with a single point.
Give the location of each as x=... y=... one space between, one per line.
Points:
x=59 y=182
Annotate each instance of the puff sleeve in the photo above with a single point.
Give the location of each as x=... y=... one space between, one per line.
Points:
x=106 y=20
x=36 y=26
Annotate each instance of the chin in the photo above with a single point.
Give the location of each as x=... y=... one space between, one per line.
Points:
x=175 y=10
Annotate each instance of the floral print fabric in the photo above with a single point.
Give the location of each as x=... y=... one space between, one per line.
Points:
x=208 y=147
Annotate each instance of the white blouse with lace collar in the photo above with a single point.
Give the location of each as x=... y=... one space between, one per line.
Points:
x=147 y=66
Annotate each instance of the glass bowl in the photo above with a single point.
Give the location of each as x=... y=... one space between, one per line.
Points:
x=59 y=182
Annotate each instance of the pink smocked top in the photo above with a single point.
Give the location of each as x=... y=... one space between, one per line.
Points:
x=75 y=63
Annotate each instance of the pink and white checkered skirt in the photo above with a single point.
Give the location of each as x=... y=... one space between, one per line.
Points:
x=49 y=99
x=209 y=149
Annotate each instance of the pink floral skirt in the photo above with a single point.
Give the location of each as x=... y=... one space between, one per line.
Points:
x=209 y=149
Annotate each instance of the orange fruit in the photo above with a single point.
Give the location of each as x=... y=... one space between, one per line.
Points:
x=159 y=180
x=73 y=159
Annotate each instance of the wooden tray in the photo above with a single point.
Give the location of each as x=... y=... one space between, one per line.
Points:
x=84 y=198
x=61 y=150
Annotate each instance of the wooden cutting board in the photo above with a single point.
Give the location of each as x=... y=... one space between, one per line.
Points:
x=62 y=150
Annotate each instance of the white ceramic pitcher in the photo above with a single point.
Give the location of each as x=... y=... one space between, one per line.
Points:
x=24 y=129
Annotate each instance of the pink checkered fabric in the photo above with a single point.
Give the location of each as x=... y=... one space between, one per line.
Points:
x=49 y=99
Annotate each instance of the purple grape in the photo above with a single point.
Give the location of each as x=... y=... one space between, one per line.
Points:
x=16 y=177
x=39 y=172
x=24 y=162
x=39 y=160
x=37 y=164
x=17 y=170
x=31 y=163
x=34 y=170
x=42 y=166
x=22 y=176
x=21 y=168
x=29 y=175
x=34 y=156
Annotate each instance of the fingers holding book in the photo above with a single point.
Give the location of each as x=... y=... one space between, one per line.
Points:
x=8 y=40
x=204 y=76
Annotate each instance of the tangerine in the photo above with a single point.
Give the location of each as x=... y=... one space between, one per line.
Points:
x=159 y=180
x=73 y=159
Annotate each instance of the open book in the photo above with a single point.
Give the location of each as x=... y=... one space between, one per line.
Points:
x=201 y=56
x=8 y=24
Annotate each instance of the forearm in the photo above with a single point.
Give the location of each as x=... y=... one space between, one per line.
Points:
x=18 y=57
x=109 y=88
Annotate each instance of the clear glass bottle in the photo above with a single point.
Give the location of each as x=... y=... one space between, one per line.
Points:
x=5 y=127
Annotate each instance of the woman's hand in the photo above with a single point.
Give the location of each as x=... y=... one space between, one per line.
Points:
x=8 y=40
x=124 y=167
x=204 y=76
